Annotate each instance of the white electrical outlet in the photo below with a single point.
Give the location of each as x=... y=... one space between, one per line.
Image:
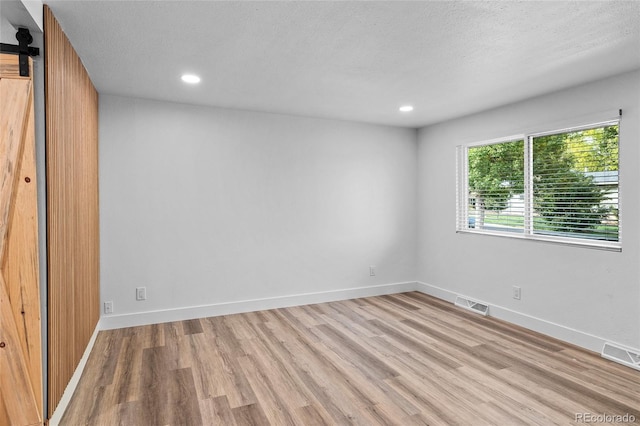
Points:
x=372 y=271
x=141 y=293
x=517 y=292
x=108 y=307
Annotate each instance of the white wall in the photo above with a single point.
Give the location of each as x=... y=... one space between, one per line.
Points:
x=205 y=206
x=575 y=293
x=7 y=31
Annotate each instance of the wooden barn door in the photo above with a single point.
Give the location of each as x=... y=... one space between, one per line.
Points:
x=20 y=333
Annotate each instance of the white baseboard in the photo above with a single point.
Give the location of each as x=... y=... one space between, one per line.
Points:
x=561 y=332
x=179 y=314
x=75 y=379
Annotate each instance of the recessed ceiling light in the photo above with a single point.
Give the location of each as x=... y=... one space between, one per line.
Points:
x=191 y=78
x=406 y=108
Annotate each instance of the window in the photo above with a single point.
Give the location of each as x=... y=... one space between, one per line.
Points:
x=557 y=186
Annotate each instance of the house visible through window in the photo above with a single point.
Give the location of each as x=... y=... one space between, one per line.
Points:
x=558 y=186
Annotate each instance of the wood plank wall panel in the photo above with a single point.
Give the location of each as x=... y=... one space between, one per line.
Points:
x=71 y=103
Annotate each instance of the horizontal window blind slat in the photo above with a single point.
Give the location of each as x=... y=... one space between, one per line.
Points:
x=571 y=193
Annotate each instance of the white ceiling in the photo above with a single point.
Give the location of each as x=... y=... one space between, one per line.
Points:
x=351 y=60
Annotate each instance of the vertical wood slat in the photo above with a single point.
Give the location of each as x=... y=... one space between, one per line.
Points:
x=72 y=207
x=21 y=354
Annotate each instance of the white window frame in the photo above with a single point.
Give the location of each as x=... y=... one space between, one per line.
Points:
x=462 y=190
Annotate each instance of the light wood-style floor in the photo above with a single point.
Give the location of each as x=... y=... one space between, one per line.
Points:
x=404 y=359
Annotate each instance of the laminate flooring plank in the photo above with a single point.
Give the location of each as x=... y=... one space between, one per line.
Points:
x=428 y=301
x=416 y=420
x=302 y=391
x=235 y=384
x=614 y=384
x=551 y=399
x=369 y=390
x=285 y=316
x=226 y=338
x=275 y=408
x=411 y=344
x=312 y=416
x=250 y=415
x=191 y=326
x=216 y=411
x=575 y=372
x=316 y=319
x=453 y=380
x=90 y=409
x=156 y=335
x=208 y=370
x=128 y=414
x=446 y=325
x=428 y=322
x=341 y=318
x=309 y=379
x=434 y=412
x=317 y=362
x=177 y=349
x=518 y=353
x=460 y=326
x=350 y=349
x=593 y=361
x=449 y=381
x=374 y=312
x=96 y=380
x=110 y=344
x=512 y=412
x=128 y=372
x=356 y=333
x=510 y=390
x=182 y=399
x=496 y=358
x=303 y=316
x=354 y=309
x=399 y=359
x=380 y=415
x=172 y=330
x=513 y=332
x=478 y=352
x=154 y=400
x=263 y=315
x=497 y=415
x=362 y=384
x=399 y=302
x=493 y=329
x=521 y=335
x=438 y=391
x=282 y=378
x=240 y=326
x=577 y=392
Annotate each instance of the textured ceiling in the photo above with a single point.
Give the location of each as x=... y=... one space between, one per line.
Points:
x=351 y=60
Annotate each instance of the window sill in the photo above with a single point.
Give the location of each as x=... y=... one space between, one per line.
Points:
x=591 y=244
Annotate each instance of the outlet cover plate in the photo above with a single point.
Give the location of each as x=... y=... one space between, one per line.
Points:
x=141 y=293
x=517 y=292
